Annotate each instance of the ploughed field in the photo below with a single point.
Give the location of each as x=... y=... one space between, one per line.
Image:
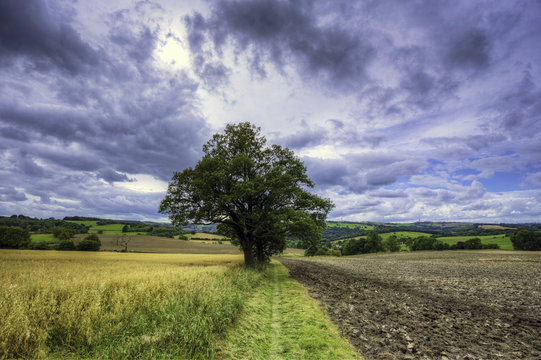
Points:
x=431 y=305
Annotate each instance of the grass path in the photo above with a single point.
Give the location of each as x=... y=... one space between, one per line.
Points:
x=281 y=321
x=276 y=328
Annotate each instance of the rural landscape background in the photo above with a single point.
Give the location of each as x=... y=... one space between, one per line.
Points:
x=417 y=123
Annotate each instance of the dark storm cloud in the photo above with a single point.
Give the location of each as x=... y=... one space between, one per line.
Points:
x=283 y=32
x=335 y=132
x=340 y=44
x=125 y=113
x=111 y=175
x=520 y=108
x=29 y=29
x=470 y=49
x=104 y=112
x=360 y=173
x=9 y=194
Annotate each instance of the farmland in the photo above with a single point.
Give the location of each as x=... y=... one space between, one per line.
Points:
x=501 y=240
x=436 y=305
x=105 y=229
x=117 y=305
x=43 y=238
x=155 y=244
x=62 y=304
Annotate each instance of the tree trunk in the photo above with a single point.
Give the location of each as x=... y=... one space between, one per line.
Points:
x=248 y=255
x=260 y=252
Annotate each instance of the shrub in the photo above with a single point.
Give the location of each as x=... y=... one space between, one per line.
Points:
x=38 y=246
x=440 y=245
x=526 y=240
x=312 y=250
x=13 y=237
x=391 y=244
x=473 y=244
x=335 y=252
x=321 y=251
x=490 y=246
x=63 y=233
x=90 y=243
x=65 y=245
x=371 y=244
x=353 y=246
x=423 y=243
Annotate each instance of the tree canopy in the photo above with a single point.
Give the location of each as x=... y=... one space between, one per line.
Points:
x=257 y=194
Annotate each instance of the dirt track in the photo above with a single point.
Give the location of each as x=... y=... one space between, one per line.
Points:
x=431 y=305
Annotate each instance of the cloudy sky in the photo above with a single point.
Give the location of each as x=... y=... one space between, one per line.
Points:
x=401 y=110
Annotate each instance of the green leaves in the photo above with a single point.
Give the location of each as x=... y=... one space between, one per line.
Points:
x=257 y=193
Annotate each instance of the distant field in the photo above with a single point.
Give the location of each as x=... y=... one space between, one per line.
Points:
x=111 y=229
x=404 y=234
x=86 y=223
x=350 y=225
x=503 y=242
x=399 y=235
x=497 y=227
x=202 y=235
x=155 y=244
x=43 y=238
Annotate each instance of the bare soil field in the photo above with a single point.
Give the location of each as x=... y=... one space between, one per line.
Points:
x=431 y=305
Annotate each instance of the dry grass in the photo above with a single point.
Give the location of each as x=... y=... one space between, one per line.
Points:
x=498 y=227
x=111 y=305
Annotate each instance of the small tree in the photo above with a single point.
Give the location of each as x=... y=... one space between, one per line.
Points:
x=473 y=244
x=391 y=244
x=373 y=243
x=65 y=245
x=13 y=237
x=63 y=233
x=90 y=243
x=255 y=193
x=526 y=240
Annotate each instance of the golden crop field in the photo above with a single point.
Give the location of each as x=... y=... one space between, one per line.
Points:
x=117 y=305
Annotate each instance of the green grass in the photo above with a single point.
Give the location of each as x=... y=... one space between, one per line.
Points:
x=43 y=238
x=503 y=242
x=111 y=229
x=350 y=225
x=281 y=321
x=86 y=223
x=404 y=234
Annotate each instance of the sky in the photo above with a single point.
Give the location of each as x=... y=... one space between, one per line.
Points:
x=402 y=111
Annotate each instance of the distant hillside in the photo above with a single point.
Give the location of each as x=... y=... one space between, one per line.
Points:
x=343 y=229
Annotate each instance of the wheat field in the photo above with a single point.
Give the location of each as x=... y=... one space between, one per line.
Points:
x=117 y=305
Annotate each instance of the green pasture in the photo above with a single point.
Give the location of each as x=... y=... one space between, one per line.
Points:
x=111 y=229
x=350 y=225
x=503 y=242
x=43 y=238
x=403 y=234
x=85 y=223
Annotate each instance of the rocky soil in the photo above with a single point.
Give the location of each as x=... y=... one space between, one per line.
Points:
x=431 y=305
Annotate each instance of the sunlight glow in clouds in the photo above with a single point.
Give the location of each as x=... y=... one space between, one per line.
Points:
x=400 y=110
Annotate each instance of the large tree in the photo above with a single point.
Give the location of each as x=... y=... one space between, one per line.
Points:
x=257 y=194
